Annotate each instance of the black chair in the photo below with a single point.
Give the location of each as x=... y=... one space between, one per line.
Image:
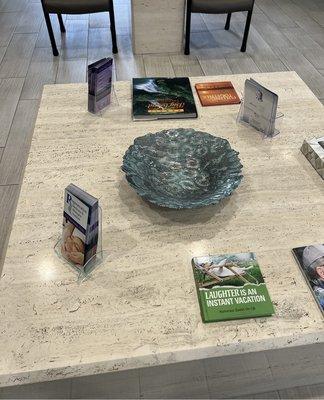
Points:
x=60 y=7
x=219 y=7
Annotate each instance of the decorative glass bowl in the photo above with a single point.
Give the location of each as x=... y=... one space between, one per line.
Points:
x=182 y=168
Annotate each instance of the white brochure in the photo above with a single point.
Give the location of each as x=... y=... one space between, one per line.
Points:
x=259 y=107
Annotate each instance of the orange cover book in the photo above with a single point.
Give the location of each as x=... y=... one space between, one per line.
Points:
x=217 y=93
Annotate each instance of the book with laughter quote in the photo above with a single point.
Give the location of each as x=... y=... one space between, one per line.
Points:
x=230 y=286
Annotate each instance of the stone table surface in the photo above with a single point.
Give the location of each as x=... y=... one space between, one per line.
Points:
x=140 y=308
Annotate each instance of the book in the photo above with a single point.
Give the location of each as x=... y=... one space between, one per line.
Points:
x=259 y=107
x=80 y=226
x=311 y=263
x=162 y=98
x=230 y=286
x=217 y=93
x=313 y=150
x=99 y=84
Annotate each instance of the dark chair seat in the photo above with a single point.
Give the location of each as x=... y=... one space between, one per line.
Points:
x=60 y=7
x=218 y=6
x=77 y=6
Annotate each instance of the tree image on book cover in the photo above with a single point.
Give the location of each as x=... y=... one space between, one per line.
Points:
x=230 y=286
x=171 y=97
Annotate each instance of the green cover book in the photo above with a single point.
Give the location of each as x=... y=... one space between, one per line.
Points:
x=163 y=98
x=230 y=286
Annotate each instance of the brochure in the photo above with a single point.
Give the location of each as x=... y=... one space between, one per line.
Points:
x=230 y=286
x=259 y=107
x=80 y=226
x=99 y=84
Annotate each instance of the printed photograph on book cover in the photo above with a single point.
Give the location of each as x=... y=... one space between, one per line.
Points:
x=311 y=261
x=229 y=270
x=158 y=97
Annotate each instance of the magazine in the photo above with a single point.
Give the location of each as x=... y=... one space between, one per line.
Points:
x=230 y=286
x=311 y=262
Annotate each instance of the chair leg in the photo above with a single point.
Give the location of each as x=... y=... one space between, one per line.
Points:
x=62 y=27
x=113 y=29
x=228 y=21
x=188 y=28
x=246 y=31
x=50 y=33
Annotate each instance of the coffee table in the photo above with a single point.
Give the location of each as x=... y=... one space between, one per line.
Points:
x=164 y=19
x=139 y=309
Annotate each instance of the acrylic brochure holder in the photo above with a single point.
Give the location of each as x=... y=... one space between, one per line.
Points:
x=84 y=271
x=113 y=103
x=273 y=125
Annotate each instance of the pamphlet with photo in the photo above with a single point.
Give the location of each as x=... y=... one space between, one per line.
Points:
x=311 y=262
x=80 y=226
x=259 y=107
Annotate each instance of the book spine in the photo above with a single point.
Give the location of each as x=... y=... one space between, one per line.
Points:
x=200 y=301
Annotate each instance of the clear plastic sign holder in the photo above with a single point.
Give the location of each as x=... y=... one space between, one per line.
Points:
x=113 y=102
x=83 y=271
x=273 y=125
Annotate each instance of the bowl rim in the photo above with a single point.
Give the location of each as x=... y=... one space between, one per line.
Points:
x=174 y=203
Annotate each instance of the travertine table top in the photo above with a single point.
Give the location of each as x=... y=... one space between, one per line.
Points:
x=140 y=307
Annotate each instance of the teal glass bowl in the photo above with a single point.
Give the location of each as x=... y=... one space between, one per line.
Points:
x=182 y=168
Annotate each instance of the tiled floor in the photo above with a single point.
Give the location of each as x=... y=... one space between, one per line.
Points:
x=285 y=34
